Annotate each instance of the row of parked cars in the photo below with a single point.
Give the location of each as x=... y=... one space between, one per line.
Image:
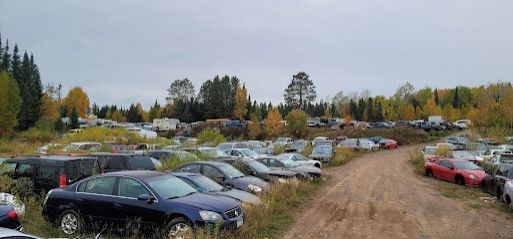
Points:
x=476 y=164
x=100 y=189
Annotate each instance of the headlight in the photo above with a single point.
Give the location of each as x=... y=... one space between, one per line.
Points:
x=210 y=216
x=472 y=176
x=282 y=180
x=254 y=188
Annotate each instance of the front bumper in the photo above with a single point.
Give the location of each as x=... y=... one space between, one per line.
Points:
x=473 y=182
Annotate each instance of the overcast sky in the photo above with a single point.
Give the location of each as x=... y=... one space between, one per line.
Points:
x=127 y=51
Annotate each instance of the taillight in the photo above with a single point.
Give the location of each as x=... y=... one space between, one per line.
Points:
x=12 y=215
x=63 y=181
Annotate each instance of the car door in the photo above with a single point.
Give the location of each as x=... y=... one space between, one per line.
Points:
x=444 y=170
x=488 y=179
x=133 y=212
x=214 y=174
x=95 y=200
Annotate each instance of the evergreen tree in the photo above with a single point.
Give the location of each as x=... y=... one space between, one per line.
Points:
x=370 y=110
x=300 y=91
x=456 y=102
x=437 y=100
x=73 y=119
x=28 y=78
x=1 y=52
x=6 y=58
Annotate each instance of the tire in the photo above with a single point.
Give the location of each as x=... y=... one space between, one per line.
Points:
x=179 y=228
x=499 y=192
x=429 y=173
x=70 y=222
x=460 y=180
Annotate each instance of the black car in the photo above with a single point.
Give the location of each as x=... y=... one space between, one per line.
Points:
x=254 y=168
x=52 y=171
x=495 y=179
x=8 y=217
x=151 y=201
x=224 y=174
x=111 y=162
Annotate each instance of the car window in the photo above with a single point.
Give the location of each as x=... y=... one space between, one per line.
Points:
x=212 y=172
x=24 y=170
x=445 y=163
x=47 y=175
x=114 y=162
x=141 y=162
x=100 y=185
x=77 y=170
x=131 y=188
x=191 y=168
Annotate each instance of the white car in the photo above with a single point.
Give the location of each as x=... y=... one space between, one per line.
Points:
x=301 y=159
x=367 y=144
x=283 y=141
x=19 y=207
x=429 y=152
x=492 y=152
x=82 y=146
x=243 y=153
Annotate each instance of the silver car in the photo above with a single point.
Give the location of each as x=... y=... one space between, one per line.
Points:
x=301 y=159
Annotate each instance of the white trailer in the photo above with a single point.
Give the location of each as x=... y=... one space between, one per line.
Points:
x=165 y=124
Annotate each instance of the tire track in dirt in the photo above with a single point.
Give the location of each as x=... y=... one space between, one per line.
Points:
x=378 y=195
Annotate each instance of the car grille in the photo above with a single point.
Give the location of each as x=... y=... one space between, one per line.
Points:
x=233 y=213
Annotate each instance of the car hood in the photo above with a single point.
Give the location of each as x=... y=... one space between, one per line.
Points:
x=243 y=182
x=281 y=172
x=241 y=195
x=207 y=202
x=320 y=155
x=306 y=169
x=478 y=173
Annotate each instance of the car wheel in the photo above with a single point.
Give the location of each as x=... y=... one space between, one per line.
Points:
x=70 y=222
x=179 y=228
x=499 y=192
x=460 y=181
x=429 y=173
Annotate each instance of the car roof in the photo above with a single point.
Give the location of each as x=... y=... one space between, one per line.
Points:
x=213 y=163
x=183 y=174
x=118 y=154
x=141 y=174
x=48 y=158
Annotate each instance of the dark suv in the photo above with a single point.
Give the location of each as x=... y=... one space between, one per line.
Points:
x=111 y=162
x=52 y=171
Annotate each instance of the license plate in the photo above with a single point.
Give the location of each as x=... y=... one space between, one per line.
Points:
x=240 y=223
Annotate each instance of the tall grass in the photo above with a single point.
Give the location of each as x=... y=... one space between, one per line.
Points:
x=342 y=156
x=417 y=159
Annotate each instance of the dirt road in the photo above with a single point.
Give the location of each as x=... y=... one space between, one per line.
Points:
x=379 y=196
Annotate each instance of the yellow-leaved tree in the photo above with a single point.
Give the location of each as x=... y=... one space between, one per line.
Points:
x=241 y=101
x=10 y=103
x=273 y=125
x=407 y=112
x=431 y=108
x=77 y=98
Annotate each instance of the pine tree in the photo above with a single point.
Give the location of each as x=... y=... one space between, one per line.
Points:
x=28 y=78
x=1 y=52
x=437 y=100
x=6 y=58
x=73 y=118
x=456 y=102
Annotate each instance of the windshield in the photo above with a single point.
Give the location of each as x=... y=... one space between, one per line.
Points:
x=230 y=171
x=430 y=150
x=300 y=157
x=208 y=184
x=462 y=155
x=322 y=150
x=281 y=140
x=71 y=147
x=289 y=163
x=257 y=166
x=248 y=152
x=168 y=186
x=466 y=165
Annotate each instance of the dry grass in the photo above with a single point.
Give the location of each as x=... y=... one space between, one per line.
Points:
x=342 y=156
x=417 y=159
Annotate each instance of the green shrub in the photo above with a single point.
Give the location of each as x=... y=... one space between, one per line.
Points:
x=297 y=123
x=210 y=136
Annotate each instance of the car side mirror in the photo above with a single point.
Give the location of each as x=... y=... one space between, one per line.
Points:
x=451 y=168
x=145 y=197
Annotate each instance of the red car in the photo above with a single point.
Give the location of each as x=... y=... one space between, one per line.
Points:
x=459 y=171
x=387 y=144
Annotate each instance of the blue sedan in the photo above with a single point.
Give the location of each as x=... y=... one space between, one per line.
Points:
x=146 y=198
